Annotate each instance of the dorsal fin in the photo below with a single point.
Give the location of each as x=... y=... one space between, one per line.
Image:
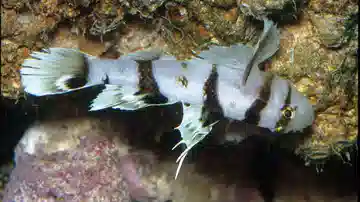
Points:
x=266 y=47
x=243 y=57
x=143 y=55
x=268 y=43
x=235 y=56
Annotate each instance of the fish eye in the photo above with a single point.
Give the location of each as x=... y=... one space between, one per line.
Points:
x=288 y=112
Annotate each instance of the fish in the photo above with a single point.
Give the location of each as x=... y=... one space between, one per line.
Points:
x=228 y=75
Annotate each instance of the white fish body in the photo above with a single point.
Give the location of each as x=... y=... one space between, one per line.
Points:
x=228 y=75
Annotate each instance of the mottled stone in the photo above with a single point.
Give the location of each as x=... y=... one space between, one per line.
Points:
x=221 y=3
x=284 y=11
x=330 y=29
x=226 y=31
x=8 y=22
x=139 y=38
x=144 y=8
x=14 y=4
x=336 y=7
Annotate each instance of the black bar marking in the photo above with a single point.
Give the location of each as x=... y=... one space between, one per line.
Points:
x=212 y=110
x=288 y=97
x=252 y=115
x=81 y=78
x=147 y=83
x=284 y=121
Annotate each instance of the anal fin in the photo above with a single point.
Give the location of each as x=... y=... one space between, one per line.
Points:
x=192 y=130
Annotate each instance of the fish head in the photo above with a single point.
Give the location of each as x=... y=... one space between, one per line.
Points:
x=286 y=110
x=296 y=115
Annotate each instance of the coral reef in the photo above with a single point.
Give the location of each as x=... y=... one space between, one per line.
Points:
x=318 y=50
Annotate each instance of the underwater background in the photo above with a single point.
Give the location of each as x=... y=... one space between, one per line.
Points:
x=318 y=52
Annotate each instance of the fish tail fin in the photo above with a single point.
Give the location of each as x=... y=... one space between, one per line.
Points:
x=54 y=71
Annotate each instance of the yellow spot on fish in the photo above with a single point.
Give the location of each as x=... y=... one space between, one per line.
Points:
x=182 y=81
x=204 y=94
x=287 y=113
x=279 y=129
x=184 y=65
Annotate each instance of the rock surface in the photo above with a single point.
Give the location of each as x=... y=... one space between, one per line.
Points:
x=97 y=159
x=329 y=28
x=88 y=159
x=284 y=11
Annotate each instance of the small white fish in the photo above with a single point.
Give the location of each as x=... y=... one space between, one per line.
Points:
x=228 y=75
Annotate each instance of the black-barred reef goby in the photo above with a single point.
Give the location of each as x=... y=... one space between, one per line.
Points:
x=229 y=76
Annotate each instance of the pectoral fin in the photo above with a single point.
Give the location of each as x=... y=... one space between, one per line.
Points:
x=192 y=130
x=117 y=97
